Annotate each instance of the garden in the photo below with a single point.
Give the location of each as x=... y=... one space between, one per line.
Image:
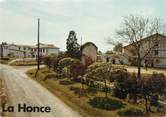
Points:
x=102 y=89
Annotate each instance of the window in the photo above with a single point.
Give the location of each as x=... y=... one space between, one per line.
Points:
x=156 y=44
x=156 y=52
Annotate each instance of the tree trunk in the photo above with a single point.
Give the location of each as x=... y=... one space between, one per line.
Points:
x=139 y=67
x=82 y=81
x=135 y=98
x=146 y=105
x=54 y=68
x=105 y=82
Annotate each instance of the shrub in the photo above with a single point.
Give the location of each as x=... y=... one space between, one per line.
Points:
x=125 y=84
x=105 y=103
x=119 y=91
x=5 y=58
x=119 y=74
x=47 y=61
x=131 y=112
x=60 y=76
x=66 y=82
x=91 y=90
x=65 y=62
x=49 y=75
x=71 y=67
x=77 y=69
x=76 y=90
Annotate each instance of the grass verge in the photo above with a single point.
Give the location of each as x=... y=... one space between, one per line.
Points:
x=24 y=63
x=3 y=98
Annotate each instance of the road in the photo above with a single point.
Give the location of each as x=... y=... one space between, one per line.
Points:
x=22 y=89
x=144 y=71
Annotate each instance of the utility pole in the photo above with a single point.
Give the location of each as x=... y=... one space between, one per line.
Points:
x=2 y=50
x=38 y=48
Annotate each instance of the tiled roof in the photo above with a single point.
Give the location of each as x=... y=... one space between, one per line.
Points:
x=146 y=38
x=35 y=46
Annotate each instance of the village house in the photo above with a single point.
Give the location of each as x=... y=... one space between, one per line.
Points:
x=20 y=51
x=114 y=58
x=156 y=57
x=88 y=53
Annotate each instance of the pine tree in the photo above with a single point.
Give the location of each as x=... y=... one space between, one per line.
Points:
x=73 y=48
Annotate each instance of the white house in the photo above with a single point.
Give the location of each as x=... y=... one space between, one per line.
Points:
x=156 y=57
x=115 y=58
x=14 y=50
x=45 y=49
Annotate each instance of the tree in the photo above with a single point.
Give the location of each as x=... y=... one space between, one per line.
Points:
x=146 y=89
x=77 y=69
x=65 y=62
x=120 y=76
x=47 y=61
x=118 y=47
x=72 y=46
x=134 y=29
x=3 y=43
x=100 y=72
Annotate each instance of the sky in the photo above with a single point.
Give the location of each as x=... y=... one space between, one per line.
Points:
x=92 y=20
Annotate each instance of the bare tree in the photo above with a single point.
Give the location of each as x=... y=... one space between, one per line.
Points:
x=134 y=29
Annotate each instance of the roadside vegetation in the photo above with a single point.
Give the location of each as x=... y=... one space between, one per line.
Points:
x=101 y=89
x=5 y=60
x=18 y=62
x=88 y=101
x=23 y=63
x=3 y=98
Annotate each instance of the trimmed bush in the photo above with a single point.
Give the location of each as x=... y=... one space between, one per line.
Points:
x=49 y=75
x=91 y=90
x=75 y=89
x=65 y=62
x=105 y=103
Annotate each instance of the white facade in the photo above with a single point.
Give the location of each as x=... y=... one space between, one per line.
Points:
x=115 y=58
x=13 y=50
x=156 y=56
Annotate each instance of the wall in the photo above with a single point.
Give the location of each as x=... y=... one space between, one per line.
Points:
x=89 y=51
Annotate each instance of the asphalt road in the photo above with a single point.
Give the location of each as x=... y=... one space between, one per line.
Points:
x=23 y=90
